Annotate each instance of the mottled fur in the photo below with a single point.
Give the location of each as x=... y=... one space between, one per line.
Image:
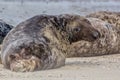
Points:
x=42 y=42
x=108 y=24
x=108 y=43
x=110 y=17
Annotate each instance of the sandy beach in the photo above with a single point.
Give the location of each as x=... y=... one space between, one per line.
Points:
x=83 y=68
x=87 y=68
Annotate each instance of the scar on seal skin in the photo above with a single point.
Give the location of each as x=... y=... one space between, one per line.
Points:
x=42 y=42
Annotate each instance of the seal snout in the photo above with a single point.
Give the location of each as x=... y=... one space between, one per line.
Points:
x=95 y=35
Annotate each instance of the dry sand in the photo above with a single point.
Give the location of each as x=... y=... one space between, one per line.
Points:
x=87 y=68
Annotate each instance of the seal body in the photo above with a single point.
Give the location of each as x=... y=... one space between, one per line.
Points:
x=43 y=41
x=108 y=43
x=108 y=25
x=4 y=29
x=110 y=17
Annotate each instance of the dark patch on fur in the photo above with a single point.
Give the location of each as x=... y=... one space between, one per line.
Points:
x=4 y=29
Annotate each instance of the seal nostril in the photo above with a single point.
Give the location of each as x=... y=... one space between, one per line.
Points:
x=95 y=35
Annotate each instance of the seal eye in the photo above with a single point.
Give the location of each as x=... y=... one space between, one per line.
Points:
x=76 y=29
